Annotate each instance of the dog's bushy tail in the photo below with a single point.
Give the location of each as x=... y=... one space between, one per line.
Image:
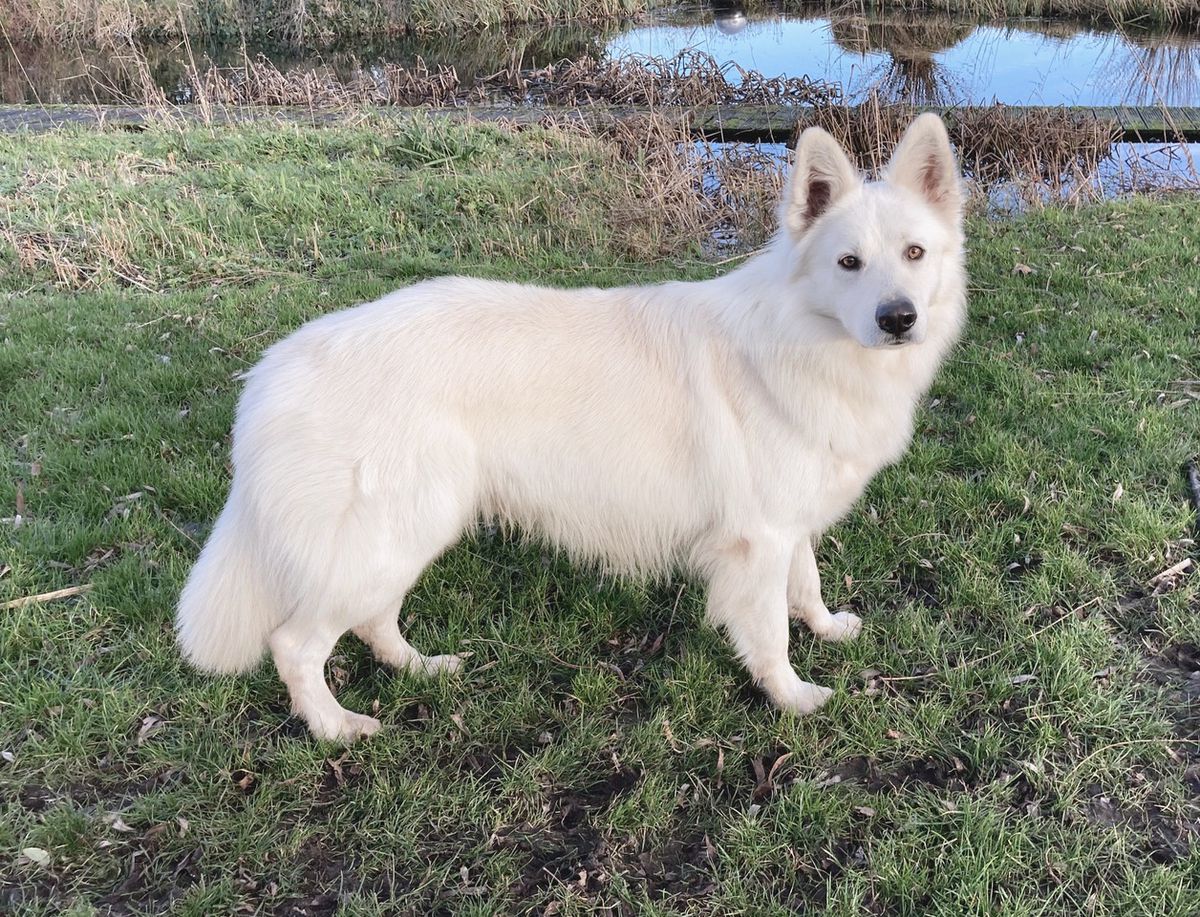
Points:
x=226 y=611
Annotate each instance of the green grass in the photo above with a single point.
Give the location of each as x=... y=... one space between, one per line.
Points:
x=1012 y=734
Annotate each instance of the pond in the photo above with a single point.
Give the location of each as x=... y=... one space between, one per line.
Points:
x=934 y=59
x=921 y=58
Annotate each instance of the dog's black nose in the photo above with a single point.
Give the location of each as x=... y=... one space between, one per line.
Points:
x=896 y=315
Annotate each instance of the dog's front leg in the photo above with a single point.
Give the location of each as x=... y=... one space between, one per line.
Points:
x=804 y=598
x=747 y=597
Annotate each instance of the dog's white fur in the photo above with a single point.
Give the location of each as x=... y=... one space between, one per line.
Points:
x=720 y=426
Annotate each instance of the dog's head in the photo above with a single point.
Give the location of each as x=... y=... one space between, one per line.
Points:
x=873 y=256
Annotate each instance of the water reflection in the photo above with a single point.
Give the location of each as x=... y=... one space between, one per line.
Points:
x=729 y=18
x=931 y=58
x=1158 y=70
x=911 y=72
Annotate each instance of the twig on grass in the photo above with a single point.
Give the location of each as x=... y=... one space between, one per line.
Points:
x=46 y=597
x=1192 y=473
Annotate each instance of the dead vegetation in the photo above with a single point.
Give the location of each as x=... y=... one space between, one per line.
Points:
x=691 y=78
x=676 y=192
x=1041 y=154
x=304 y=23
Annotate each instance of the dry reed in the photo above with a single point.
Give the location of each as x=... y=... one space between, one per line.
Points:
x=688 y=79
x=295 y=23
x=1045 y=153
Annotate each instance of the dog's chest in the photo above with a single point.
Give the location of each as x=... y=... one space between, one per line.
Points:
x=856 y=439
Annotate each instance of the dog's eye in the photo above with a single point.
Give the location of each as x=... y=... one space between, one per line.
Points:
x=914 y=253
x=849 y=263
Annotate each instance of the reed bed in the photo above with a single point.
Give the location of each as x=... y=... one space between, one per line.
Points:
x=105 y=23
x=288 y=23
x=1043 y=152
x=679 y=191
x=688 y=79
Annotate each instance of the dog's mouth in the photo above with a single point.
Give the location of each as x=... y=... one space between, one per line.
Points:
x=898 y=340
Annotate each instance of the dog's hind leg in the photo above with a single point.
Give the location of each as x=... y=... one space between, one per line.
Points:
x=300 y=647
x=366 y=569
x=747 y=597
x=382 y=635
x=805 y=603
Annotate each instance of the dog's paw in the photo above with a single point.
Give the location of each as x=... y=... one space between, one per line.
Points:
x=347 y=728
x=842 y=626
x=435 y=665
x=798 y=696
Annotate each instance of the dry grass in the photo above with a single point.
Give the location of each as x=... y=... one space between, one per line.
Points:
x=676 y=193
x=677 y=190
x=324 y=23
x=691 y=78
x=283 y=23
x=1112 y=12
x=1041 y=154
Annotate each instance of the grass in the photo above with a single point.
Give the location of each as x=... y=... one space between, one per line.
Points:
x=1015 y=733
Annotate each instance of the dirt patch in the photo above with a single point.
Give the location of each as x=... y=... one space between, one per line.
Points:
x=489 y=762
x=569 y=849
x=1163 y=839
x=896 y=777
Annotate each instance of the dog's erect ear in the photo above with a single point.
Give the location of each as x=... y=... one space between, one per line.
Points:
x=821 y=175
x=924 y=162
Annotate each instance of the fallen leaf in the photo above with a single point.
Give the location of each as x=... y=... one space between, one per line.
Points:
x=150 y=724
x=670 y=736
x=335 y=766
x=1118 y=493
x=244 y=780
x=1022 y=269
x=37 y=855
x=865 y=810
x=1021 y=679
x=115 y=822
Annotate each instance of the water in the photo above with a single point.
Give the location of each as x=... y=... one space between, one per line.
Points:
x=938 y=59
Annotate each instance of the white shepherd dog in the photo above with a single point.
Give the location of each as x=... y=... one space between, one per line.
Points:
x=718 y=426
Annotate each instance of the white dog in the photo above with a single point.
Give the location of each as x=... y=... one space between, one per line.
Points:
x=720 y=426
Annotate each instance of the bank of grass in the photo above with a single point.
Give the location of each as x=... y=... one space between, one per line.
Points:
x=1015 y=733
x=114 y=23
